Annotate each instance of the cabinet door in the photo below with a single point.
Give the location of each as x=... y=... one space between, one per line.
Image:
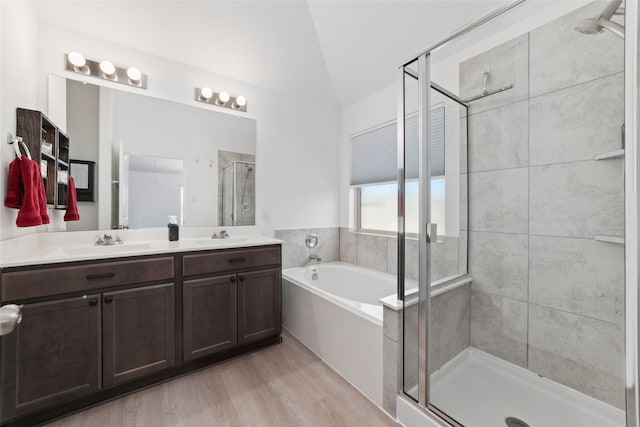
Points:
x=52 y=356
x=138 y=332
x=209 y=315
x=259 y=305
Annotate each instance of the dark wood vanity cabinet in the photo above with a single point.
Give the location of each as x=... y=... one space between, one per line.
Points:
x=138 y=332
x=259 y=305
x=94 y=330
x=53 y=356
x=210 y=315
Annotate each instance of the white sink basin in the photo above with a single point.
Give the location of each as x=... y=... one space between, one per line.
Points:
x=110 y=249
x=214 y=242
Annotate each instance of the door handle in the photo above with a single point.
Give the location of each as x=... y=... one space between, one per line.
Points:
x=10 y=316
x=432 y=233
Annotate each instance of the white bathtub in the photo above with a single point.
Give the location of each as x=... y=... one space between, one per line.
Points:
x=339 y=317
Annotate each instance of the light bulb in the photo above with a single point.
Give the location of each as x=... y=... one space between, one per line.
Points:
x=134 y=74
x=206 y=93
x=107 y=68
x=223 y=97
x=241 y=101
x=76 y=59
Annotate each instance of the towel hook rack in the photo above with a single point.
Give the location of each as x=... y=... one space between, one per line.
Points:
x=486 y=76
x=17 y=142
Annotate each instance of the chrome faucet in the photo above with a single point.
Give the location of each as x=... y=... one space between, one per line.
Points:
x=315 y=257
x=108 y=240
x=222 y=234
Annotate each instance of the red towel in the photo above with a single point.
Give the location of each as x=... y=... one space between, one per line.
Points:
x=14 y=186
x=31 y=212
x=72 y=203
x=42 y=193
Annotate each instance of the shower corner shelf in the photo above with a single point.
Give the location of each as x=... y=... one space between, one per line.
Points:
x=610 y=155
x=609 y=239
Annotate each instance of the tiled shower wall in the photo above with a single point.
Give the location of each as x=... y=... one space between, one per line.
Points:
x=545 y=294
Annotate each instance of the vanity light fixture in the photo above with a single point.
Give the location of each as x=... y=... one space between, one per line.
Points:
x=134 y=75
x=106 y=70
x=79 y=62
x=205 y=94
x=240 y=102
x=221 y=99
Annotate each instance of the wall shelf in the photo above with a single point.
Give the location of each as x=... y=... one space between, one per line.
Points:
x=35 y=128
x=610 y=155
x=609 y=239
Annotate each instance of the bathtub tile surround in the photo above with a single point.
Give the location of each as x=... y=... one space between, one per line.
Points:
x=562 y=57
x=371 y=251
x=348 y=246
x=546 y=295
x=583 y=353
x=380 y=253
x=296 y=254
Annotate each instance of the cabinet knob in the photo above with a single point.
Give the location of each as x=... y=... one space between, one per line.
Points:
x=232 y=279
x=93 y=301
x=241 y=278
x=108 y=300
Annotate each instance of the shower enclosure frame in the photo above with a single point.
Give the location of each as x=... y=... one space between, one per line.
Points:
x=234 y=198
x=632 y=209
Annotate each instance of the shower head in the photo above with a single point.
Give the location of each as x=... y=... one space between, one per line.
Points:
x=602 y=22
x=597 y=25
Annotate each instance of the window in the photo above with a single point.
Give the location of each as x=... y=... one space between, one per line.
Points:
x=374 y=170
x=378 y=208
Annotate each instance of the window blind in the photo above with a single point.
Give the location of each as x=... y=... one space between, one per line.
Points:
x=374 y=153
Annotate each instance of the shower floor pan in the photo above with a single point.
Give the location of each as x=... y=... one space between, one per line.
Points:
x=480 y=390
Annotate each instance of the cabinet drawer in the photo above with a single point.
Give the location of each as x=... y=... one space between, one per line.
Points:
x=230 y=260
x=60 y=280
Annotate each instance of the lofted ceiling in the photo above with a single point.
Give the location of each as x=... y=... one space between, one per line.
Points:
x=331 y=52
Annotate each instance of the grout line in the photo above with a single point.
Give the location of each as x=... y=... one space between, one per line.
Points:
x=528 y=196
x=568 y=162
x=544 y=93
x=532 y=235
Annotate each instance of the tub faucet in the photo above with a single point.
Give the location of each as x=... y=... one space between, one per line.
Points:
x=315 y=257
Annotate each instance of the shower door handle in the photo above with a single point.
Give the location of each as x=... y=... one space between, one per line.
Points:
x=432 y=233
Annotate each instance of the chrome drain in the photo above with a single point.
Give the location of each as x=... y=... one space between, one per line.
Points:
x=515 y=422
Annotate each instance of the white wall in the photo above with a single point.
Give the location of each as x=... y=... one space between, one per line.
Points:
x=19 y=41
x=297 y=142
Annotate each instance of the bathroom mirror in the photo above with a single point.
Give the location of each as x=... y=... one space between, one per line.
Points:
x=142 y=146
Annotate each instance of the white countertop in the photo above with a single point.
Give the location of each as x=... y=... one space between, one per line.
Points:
x=49 y=248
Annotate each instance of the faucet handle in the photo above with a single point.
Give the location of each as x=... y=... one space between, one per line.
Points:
x=118 y=240
x=99 y=241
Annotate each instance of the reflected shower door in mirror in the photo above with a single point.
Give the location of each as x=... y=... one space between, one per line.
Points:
x=155 y=190
x=105 y=124
x=237 y=183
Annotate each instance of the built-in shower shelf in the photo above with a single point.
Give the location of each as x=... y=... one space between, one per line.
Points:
x=609 y=239
x=610 y=155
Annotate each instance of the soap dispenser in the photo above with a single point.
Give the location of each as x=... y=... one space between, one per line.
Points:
x=173 y=228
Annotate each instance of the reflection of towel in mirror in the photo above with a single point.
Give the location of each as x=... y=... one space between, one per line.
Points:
x=72 y=203
x=33 y=206
x=14 y=186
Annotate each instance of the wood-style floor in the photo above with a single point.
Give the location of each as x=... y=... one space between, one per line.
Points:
x=282 y=385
